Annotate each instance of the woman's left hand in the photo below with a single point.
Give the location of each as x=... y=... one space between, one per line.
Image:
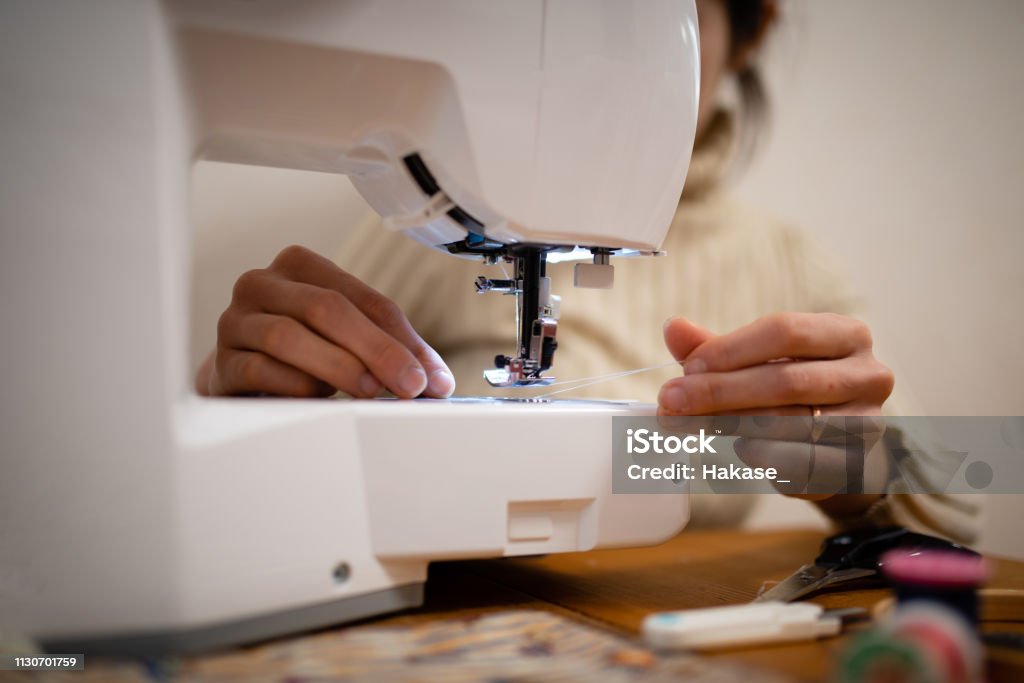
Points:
x=829 y=365
x=782 y=364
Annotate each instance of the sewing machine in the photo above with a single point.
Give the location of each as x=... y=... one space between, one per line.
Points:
x=137 y=517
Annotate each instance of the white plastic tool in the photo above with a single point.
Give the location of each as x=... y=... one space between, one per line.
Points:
x=739 y=625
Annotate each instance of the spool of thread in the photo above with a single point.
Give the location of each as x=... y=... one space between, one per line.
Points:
x=947 y=577
x=876 y=656
x=931 y=636
x=923 y=642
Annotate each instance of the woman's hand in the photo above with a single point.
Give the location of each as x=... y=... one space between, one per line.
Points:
x=781 y=364
x=829 y=365
x=304 y=327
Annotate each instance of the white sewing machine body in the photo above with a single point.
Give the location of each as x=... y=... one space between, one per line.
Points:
x=136 y=517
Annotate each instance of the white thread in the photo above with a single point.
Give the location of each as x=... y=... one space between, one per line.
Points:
x=612 y=375
x=519 y=340
x=597 y=379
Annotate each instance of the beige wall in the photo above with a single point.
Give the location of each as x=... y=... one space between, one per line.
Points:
x=896 y=141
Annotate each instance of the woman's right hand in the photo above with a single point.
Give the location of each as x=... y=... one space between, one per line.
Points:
x=304 y=327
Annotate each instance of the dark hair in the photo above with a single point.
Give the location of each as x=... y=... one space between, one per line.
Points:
x=746 y=21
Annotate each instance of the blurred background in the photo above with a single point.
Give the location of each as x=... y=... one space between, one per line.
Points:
x=894 y=141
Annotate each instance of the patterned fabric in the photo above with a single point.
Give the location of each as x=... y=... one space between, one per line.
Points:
x=514 y=645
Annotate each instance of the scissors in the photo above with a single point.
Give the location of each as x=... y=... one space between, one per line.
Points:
x=851 y=556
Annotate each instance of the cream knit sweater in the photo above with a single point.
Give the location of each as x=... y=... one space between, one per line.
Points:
x=725 y=266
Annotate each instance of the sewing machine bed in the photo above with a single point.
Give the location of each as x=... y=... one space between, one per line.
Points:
x=285 y=515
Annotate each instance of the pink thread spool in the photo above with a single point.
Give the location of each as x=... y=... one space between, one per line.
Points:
x=946 y=577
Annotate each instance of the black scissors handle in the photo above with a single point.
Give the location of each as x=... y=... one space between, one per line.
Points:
x=864 y=549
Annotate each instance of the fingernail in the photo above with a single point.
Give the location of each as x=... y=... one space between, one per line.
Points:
x=694 y=367
x=668 y=321
x=369 y=385
x=412 y=381
x=674 y=398
x=442 y=384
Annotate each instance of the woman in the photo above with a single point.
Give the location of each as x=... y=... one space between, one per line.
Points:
x=760 y=290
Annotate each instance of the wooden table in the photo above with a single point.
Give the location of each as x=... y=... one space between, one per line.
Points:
x=610 y=591
x=615 y=589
